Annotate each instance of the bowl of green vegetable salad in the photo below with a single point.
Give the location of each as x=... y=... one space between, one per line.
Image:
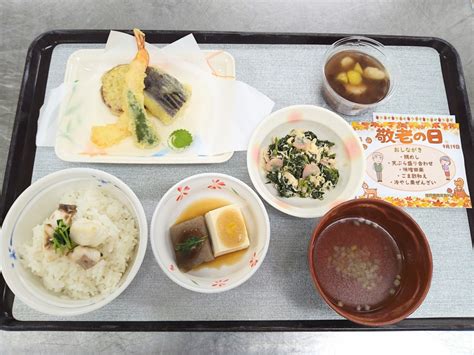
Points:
x=304 y=160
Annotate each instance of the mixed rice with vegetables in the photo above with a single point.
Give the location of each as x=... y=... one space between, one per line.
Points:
x=300 y=164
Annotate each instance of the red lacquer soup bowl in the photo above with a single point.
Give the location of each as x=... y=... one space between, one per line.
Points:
x=370 y=262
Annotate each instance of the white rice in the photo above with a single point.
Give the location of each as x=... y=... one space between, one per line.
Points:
x=62 y=275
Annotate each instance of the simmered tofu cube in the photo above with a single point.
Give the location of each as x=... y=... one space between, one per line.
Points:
x=227 y=229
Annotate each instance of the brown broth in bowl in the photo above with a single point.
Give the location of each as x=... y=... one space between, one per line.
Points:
x=357 y=77
x=358 y=263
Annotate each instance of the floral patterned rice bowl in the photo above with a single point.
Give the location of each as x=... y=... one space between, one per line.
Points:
x=204 y=186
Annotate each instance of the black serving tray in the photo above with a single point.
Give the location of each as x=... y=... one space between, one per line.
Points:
x=21 y=157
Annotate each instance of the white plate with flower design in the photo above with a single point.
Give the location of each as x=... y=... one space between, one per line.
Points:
x=196 y=190
x=327 y=125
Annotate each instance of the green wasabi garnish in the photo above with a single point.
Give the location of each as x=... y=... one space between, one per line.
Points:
x=180 y=139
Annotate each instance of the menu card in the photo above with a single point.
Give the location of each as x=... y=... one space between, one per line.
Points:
x=413 y=162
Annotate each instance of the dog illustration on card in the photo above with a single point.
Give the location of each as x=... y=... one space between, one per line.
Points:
x=458 y=191
x=369 y=192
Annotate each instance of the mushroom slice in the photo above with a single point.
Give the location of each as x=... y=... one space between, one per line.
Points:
x=71 y=209
x=64 y=212
x=85 y=257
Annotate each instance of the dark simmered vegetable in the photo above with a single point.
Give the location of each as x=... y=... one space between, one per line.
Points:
x=191 y=243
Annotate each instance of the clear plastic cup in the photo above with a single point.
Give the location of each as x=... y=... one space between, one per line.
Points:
x=367 y=46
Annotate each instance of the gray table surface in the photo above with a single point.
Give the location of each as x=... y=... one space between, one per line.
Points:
x=21 y=21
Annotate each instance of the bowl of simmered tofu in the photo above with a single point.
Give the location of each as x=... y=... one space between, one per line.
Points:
x=210 y=233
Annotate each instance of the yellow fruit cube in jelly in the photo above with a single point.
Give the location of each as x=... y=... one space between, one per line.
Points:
x=342 y=77
x=358 y=68
x=354 y=77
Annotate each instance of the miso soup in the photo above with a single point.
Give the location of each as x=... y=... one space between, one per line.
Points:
x=359 y=264
x=357 y=77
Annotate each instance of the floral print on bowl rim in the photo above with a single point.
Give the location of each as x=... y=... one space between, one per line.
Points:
x=183 y=192
x=253 y=260
x=12 y=255
x=217 y=184
x=220 y=283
